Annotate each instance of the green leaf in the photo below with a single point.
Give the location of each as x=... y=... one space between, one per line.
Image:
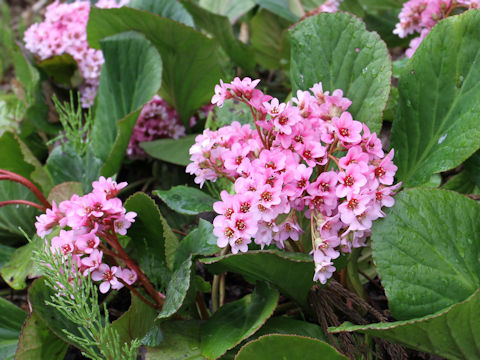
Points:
x=181 y=340
x=438 y=124
x=11 y=322
x=61 y=68
x=337 y=50
x=38 y=342
x=14 y=216
x=65 y=165
x=136 y=321
x=165 y=8
x=231 y=111
x=177 y=289
x=6 y=253
x=200 y=241
x=38 y=293
x=426 y=251
x=12 y=158
x=64 y=191
x=130 y=77
x=267 y=38
x=291 y=273
x=451 y=333
x=461 y=183
x=219 y=26
x=21 y=265
x=233 y=9
x=278 y=7
x=191 y=67
x=237 y=320
x=151 y=237
x=472 y=168
x=288 y=347
x=175 y=151
x=288 y=326
x=186 y=200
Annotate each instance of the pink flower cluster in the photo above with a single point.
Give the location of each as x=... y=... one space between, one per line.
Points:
x=64 y=32
x=308 y=155
x=157 y=120
x=329 y=6
x=84 y=220
x=422 y=15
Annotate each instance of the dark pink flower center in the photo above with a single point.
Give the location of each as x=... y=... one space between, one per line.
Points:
x=108 y=276
x=352 y=204
x=228 y=232
x=344 y=131
x=380 y=172
x=349 y=180
x=240 y=224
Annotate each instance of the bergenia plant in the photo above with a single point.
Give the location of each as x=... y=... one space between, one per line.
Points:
x=306 y=157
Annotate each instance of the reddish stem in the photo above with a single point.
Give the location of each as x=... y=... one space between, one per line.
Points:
x=22 y=202
x=112 y=240
x=27 y=183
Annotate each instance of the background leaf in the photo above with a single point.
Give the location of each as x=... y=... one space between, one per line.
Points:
x=186 y=200
x=452 y=333
x=38 y=342
x=438 y=124
x=291 y=273
x=166 y=8
x=337 y=50
x=11 y=322
x=174 y=151
x=426 y=250
x=130 y=77
x=237 y=320
x=288 y=347
x=190 y=65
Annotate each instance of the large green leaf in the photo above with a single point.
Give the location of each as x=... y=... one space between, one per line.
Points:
x=21 y=265
x=191 y=67
x=13 y=217
x=37 y=342
x=200 y=241
x=427 y=250
x=452 y=333
x=337 y=50
x=233 y=9
x=288 y=347
x=5 y=253
x=130 y=77
x=11 y=322
x=166 y=8
x=175 y=151
x=268 y=32
x=12 y=158
x=153 y=239
x=38 y=293
x=288 y=326
x=438 y=124
x=136 y=321
x=186 y=200
x=291 y=273
x=237 y=320
x=472 y=168
x=279 y=7
x=180 y=341
x=219 y=26
x=177 y=289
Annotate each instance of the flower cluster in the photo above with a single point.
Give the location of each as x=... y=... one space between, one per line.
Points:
x=329 y=6
x=422 y=15
x=157 y=120
x=84 y=220
x=308 y=155
x=64 y=32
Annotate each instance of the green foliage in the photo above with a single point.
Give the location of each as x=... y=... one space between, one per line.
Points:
x=186 y=200
x=174 y=151
x=190 y=65
x=166 y=8
x=11 y=322
x=237 y=320
x=276 y=346
x=38 y=342
x=451 y=333
x=426 y=251
x=77 y=313
x=438 y=125
x=337 y=50
x=291 y=273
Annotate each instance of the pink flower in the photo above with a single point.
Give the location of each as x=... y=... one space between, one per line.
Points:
x=129 y=276
x=108 y=276
x=350 y=181
x=347 y=129
x=46 y=222
x=124 y=222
